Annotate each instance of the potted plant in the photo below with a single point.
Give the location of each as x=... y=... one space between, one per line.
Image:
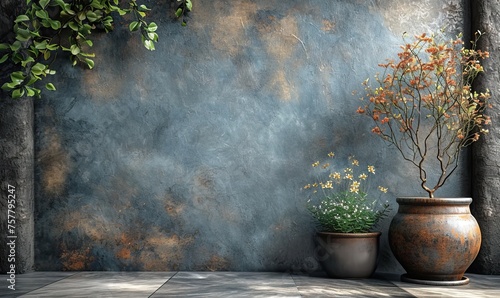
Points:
x=425 y=106
x=345 y=215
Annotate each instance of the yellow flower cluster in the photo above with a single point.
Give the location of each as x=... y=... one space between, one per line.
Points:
x=335 y=176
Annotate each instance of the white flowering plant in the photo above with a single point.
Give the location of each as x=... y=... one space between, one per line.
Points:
x=339 y=200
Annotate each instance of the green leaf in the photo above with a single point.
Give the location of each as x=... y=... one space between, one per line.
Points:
x=22 y=18
x=92 y=16
x=17 y=58
x=46 y=23
x=43 y=3
x=10 y=85
x=122 y=12
x=90 y=63
x=60 y=3
x=178 y=13
x=54 y=24
x=152 y=27
x=73 y=26
x=143 y=7
x=50 y=87
x=27 y=61
x=75 y=50
x=42 y=14
x=87 y=54
x=35 y=33
x=68 y=10
x=153 y=36
x=134 y=26
x=46 y=55
x=97 y=5
x=14 y=47
x=85 y=29
x=40 y=45
x=17 y=76
x=23 y=34
x=82 y=16
x=38 y=69
x=30 y=91
x=17 y=93
x=4 y=58
x=52 y=47
x=189 y=5
x=108 y=23
x=149 y=44
x=4 y=46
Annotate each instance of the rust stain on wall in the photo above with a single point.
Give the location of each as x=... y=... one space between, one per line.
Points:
x=54 y=163
x=105 y=81
x=217 y=263
x=123 y=253
x=127 y=245
x=203 y=191
x=84 y=223
x=228 y=34
x=280 y=36
x=328 y=26
x=282 y=86
x=281 y=40
x=76 y=260
x=172 y=208
x=102 y=84
x=162 y=252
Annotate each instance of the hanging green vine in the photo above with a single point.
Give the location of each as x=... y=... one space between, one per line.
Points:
x=183 y=7
x=49 y=26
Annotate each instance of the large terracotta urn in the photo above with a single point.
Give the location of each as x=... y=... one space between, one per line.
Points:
x=434 y=239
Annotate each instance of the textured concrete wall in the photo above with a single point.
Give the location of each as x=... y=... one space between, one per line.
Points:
x=192 y=157
x=486 y=154
x=16 y=167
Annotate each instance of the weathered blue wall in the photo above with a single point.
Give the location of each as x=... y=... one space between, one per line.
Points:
x=193 y=156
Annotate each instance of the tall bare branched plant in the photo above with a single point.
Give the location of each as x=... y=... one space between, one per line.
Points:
x=424 y=104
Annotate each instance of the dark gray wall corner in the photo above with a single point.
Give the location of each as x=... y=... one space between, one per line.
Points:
x=17 y=160
x=16 y=165
x=486 y=153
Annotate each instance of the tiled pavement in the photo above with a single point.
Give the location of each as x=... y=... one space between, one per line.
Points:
x=232 y=284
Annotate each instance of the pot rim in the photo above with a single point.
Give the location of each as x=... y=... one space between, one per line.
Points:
x=351 y=235
x=433 y=201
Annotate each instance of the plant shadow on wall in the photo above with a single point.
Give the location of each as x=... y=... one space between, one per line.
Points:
x=346 y=246
x=50 y=26
x=425 y=106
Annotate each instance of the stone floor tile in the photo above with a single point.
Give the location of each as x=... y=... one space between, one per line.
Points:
x=105 y=284
x=31 y=281
x=311 y=286
x=228 y=284
x=233 y=284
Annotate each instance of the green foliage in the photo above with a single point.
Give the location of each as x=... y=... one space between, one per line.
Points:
x=49 y=26
x=347 y=212
x=182 y=10
x=339 y=200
